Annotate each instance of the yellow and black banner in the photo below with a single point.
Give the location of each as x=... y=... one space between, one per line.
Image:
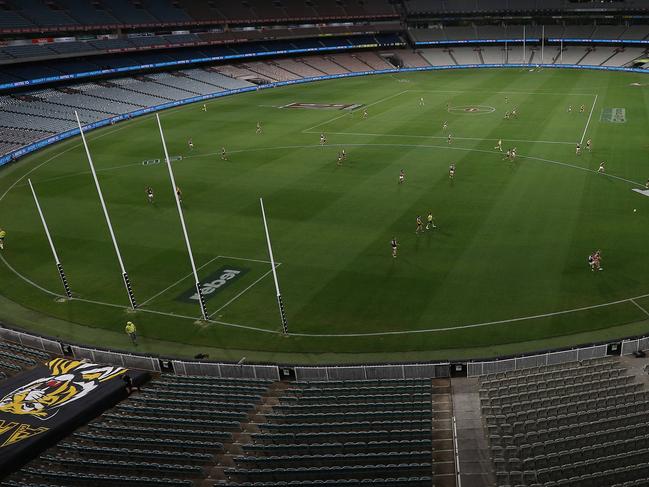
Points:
x=42 y=405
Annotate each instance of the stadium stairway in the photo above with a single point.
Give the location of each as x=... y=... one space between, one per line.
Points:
x=442 y=431
x=474 y=457
x=233 y=448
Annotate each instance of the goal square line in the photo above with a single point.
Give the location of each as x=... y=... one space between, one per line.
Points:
x=199 y=268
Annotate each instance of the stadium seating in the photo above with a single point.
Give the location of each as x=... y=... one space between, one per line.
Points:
x=15 y=358
x=250 y=432
x=376 y=431
x=54 y=108
x=574 y=424
x=75 y=13
x=512 y=6
x=168 y=434
x=140 y=52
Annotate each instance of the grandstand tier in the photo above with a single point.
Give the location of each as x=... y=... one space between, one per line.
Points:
x=573 y=424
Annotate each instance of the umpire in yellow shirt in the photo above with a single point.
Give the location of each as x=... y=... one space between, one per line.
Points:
x=131 y=331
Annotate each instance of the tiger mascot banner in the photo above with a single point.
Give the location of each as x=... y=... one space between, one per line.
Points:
x=40 y=406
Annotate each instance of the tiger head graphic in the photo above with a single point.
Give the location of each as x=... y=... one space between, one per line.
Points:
x=68 y=381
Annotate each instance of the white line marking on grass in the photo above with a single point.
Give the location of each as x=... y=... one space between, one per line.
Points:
x=306 y=131
x=384 y=333
x=504 y=92
x=400 y=332
x=444 y=137
x=29 y=281
x=174 y=315
x=242 y=292
x=243 y=258
x=474 y=325
x=641 y=308
x=423 y=146
x=177 y=282
x=588 y=122
x=198 y=269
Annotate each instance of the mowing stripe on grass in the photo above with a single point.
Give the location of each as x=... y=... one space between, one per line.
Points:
x=29 y=281
x=199 y=268
x=479 y=325
x=306 y=131
x=243 y=292
x=177 y=282
x=175 y=315
x=444 y=137
x=354 y=334
x=345 y=335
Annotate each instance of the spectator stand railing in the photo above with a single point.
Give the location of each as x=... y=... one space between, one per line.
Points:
x=319 y=373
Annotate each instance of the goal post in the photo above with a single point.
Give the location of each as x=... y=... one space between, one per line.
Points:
x=280 y=302
x=201 y=301
x=125 y=279
x=59 y=266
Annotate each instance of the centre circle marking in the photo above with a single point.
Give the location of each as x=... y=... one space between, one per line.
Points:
x=471 y=109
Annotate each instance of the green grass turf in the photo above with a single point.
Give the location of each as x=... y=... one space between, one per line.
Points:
x=512 y=240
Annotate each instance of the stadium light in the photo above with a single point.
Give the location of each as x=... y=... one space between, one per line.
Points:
x=201 y=301
x=280 y=303
x=127 y=282
x=59 y=266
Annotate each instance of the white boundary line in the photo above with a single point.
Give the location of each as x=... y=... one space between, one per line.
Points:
x=400 y=332
x=588 y=122
x=29 y=281
x=175 y=315
x=473 y=325
x=243 y=292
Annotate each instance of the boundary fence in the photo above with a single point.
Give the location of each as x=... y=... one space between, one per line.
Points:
x=475 y=369
x=322 y=373
x=369 y=372
x=635 y=345
x=236 y=371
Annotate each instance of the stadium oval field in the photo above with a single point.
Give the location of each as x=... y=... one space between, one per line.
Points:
x=504 y=271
